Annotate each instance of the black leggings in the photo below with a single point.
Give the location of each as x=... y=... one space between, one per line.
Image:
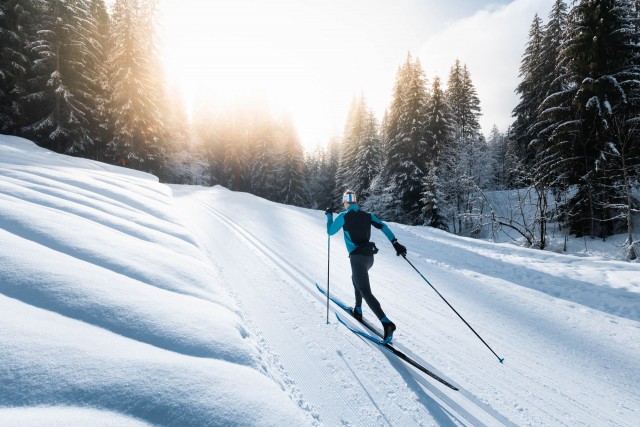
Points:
x=360 y=265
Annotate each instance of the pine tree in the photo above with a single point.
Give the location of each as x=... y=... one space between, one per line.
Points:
x=350 y=143
x=553 y=109
x=471 y=145
x=290 y=175
x=538 y=115
x=434 y=200
x=439 y=120
x=207 y=135
x=599 y=59
x=552 y=76
x=154 y=83
x=17 y=19
x=465 y=104
x=368 y=159
x=59 y=87
x=264 y=157
x=98 y=24
x=331 y=192
x=461 y=165
x=439 y=126
x=409 y=145
x=181 y=149
x=530 y=89
x=313 y=163
x=138 y=137
x=361 y=154
x=235 y=143
x=505 y=158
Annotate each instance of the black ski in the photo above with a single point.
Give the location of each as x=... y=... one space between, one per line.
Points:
x=378 y=340
x=348 y=310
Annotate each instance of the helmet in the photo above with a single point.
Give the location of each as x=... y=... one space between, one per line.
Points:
x=349 y=197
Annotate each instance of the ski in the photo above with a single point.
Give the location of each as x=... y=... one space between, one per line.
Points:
x=398 y=353
x=377 y=339
x=347 y=308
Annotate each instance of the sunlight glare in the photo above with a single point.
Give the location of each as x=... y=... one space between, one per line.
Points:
x=304 y=61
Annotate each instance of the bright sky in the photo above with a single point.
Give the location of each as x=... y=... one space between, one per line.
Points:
x=310 y=58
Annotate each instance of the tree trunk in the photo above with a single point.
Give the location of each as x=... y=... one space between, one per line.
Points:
x=628 y=190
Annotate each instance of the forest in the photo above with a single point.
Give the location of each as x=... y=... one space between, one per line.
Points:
x=82 y=79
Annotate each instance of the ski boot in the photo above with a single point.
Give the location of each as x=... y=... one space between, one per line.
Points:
x=389 y=327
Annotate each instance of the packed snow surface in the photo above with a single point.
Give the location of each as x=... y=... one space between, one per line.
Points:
x=127 y=302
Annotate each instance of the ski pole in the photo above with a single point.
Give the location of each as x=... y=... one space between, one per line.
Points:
x=328 y=265
x=501 y=359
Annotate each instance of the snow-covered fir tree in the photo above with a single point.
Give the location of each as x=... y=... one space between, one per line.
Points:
x=138 y=126
x=440 y=127
x=409 y=147
x=17 y=31
x=552 y=82
x=184 y=162
x=439 y=120
x=313 y=163
x=537 y=115
x=206 y=131
x=60 y=90
x=290 y=179
x=506 y=159
x=321 y=168
x=235 y=140
x=264 y=156
x=434 y=200
x=361 y=153
x=100 y=119
x=350 y=142
x=463 y=165
x=531 y=91
x=464 y=103
x=599 y=58
x=368 y=163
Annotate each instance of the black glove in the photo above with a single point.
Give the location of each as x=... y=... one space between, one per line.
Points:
x=328 y=211
x=400 y=249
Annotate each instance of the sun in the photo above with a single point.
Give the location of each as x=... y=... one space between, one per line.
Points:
x=304 y=61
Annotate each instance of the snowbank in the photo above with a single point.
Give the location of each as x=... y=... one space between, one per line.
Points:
x=109 y=309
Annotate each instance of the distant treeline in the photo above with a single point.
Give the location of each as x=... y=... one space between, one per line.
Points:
x=82 y=81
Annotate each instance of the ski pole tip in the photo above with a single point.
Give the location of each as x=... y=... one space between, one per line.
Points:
x=501 y=360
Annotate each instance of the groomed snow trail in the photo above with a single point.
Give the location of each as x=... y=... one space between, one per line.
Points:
x=566 y=363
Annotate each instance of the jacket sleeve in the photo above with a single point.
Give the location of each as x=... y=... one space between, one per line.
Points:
x=375 y=221
x=334 y=226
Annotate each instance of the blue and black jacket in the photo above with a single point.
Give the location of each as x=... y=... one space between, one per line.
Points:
x=356 y=225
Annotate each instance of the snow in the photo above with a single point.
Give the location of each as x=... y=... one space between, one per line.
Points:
x=107 y=305
x=62 y=417
x=127 y=302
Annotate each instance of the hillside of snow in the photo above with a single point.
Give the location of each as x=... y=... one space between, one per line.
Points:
x=127 y=302
x=110 y=311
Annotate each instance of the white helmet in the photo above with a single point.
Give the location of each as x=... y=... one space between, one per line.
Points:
x=349 y=197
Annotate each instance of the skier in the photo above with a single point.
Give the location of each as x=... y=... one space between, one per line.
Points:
x=356 y=225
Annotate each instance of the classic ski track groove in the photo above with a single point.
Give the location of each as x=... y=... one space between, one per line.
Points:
x=308 y=284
